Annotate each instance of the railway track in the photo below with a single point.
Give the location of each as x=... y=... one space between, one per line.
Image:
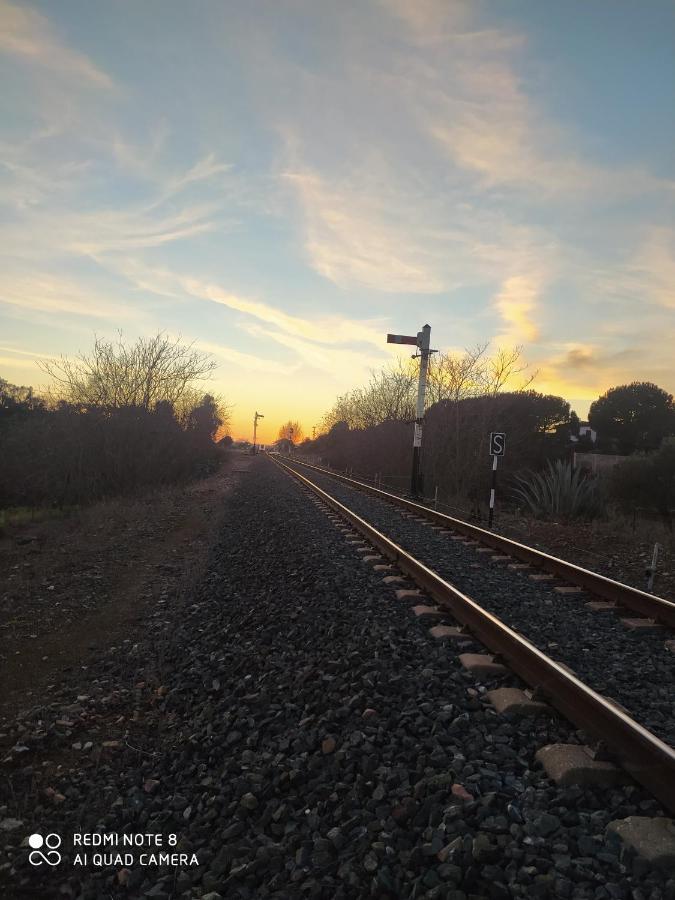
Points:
x=621 y=596
x=649 y=759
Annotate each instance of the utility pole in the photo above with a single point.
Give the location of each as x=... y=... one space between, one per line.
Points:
x=290 y=446
x=422 y=342
x=255 y=428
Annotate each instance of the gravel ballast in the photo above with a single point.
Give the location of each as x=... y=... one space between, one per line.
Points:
x=634 y=669
x=308 y=739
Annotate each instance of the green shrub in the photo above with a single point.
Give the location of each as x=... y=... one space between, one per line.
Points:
x=560 y=492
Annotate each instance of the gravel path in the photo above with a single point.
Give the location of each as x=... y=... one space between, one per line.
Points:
x=634 y=669
x=309 y=740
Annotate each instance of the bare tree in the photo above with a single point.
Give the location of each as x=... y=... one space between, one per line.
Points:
x=291 y=431
x=503 y=366
x=114 y=375
x=457 y=376
x=390 y=394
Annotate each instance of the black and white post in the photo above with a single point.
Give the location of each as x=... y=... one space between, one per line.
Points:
x=497 y=447
x=423 y=343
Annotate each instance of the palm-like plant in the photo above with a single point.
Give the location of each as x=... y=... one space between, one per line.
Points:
x=560 y=492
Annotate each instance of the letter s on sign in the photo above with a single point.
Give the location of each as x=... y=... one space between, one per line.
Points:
x=497 y=443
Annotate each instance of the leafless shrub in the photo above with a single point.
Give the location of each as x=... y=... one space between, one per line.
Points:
x=114 y=375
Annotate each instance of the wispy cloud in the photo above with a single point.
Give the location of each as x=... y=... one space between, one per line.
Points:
x=52 y=294
x=654 y=266
x=357 y=237
x=322 y=329
x=246 y=361
x=516 y=303
x=325 y=342
x=431 y=21
x=338 y=362
x=21 y=352
x=29 y=36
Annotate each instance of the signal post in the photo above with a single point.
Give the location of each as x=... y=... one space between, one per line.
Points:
x=422 y=341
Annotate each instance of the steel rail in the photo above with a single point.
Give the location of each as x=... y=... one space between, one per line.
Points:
x=642 y=754
x=649 y=605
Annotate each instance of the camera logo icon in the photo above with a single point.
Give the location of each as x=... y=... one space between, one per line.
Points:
x=52 y=856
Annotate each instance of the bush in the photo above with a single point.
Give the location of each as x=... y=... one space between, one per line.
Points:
x=560 y=493
x=647 y=482
x=70 y=456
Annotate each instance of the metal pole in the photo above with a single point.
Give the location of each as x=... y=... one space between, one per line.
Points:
x=492 y=491
x=423 y=342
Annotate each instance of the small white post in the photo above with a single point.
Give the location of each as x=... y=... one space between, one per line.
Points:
x=651 y=570
x=492 y=491
x=436 y=498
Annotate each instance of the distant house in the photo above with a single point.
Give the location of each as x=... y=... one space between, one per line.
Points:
x=586 y=434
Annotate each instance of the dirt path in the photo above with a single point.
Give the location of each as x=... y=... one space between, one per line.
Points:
x=73 y=586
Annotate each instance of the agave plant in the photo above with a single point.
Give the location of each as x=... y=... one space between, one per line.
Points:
x=560 y=492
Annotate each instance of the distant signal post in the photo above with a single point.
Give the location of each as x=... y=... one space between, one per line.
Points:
x=255 y=428
x=422 y=341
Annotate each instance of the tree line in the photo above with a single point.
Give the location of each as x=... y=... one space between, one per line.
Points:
x=470 y=394
x=120 y=418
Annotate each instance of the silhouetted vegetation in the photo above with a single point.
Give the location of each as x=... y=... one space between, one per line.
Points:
x=633 y=417
x=455 y=456
x=560 y=492
x=370 y=430
x=291 y=431
x=647 y=482
x=122 y=419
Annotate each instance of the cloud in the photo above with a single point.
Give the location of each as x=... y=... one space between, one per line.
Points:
x=516 y=303
x=51 y=218
x=473 y=103
x=318 y=342
x=323 y=330
x=28 y=35
x=356 y=237
x=585 y=370
x=51 y=294
x=246 y=361
x=21 y=352
x=581 y=358
x=386 y=204
x=203 y=170
x=60 y=234
x=431 y=21
x=14 y=363
x=654 y=266
x=488 y=125
x=337 y=362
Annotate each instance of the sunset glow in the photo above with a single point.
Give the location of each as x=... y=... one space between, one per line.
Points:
x=285 y=183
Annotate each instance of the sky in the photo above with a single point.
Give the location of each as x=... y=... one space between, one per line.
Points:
x=283 y=182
